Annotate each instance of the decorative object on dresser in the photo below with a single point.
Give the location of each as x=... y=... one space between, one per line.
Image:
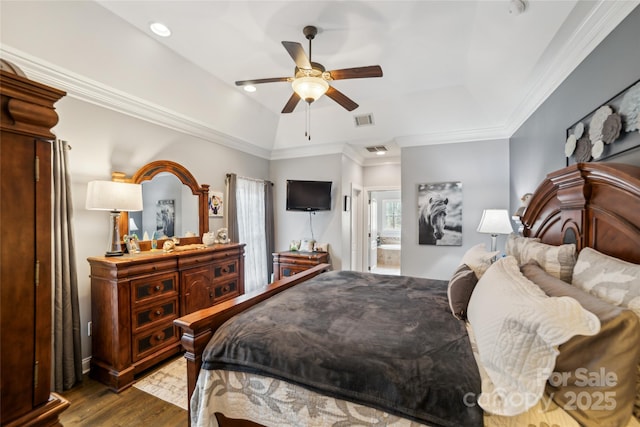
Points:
x=222 y=236
x=115 y=197
x=291 y=262
x=494 y=222
x=135 y=298
x=27 y=115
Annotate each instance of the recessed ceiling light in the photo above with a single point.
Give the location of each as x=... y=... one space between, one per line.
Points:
x=381 y=153
x=160 y=29
x=250 y=88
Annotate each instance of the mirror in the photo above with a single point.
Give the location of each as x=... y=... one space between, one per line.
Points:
x=173 y=203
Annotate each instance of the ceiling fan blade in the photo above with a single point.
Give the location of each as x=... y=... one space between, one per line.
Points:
x=291 y=103
x=297 y=53
x=356 y=73
x=341 y=98
x=258 y=81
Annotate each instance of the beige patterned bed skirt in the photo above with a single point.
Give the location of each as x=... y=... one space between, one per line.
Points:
x=272 y=402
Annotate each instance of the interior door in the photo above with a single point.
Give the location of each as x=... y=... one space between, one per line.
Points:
x=373 y=233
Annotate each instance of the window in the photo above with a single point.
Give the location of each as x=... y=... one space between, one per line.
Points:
x=391 y=215
x=251 y=230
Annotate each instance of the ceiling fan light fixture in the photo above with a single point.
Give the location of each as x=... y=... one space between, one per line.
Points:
x=249 y=88
x=310 y=88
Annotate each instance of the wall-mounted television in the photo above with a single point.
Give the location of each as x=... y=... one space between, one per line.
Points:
x=308 y=195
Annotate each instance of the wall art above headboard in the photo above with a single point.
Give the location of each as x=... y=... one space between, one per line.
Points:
x=610 y=130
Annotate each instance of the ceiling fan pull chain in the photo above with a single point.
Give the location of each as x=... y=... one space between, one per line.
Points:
x=309 y=119
x=307 y=131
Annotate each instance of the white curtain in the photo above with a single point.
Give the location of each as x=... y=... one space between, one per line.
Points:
x=250 y=199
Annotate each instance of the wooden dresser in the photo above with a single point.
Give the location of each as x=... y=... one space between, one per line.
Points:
x=135 y=298
x=291 y=262
x=27 y=115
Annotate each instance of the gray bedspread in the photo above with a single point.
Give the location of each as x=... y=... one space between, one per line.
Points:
x=389 y=342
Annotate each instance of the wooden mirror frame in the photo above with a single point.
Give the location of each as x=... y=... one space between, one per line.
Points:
x=150 y=170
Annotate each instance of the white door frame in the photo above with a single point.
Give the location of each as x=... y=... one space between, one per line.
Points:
x=357 y=227
x=365 y=234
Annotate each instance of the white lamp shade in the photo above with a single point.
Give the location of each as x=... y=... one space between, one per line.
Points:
x=495 y=221
x=310 y=88
x=114 y=196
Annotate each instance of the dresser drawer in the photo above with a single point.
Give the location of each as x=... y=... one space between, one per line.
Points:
x=154 y=286
x=166 y=310
x=225 y=290
x=149 y=342
x=157 y=266
x=222 y=270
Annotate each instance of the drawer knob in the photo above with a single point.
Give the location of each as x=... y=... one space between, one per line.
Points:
x=225 y=289
x=157 y=287
x=225 y=270
x=158 y=312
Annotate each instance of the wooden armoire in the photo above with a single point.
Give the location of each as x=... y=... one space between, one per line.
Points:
x=27 y=116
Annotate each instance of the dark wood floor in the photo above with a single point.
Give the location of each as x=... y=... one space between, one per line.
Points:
x=92 y=404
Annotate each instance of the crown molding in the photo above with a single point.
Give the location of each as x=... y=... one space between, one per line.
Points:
x=602 y=19
x=307 y=151
x=93 y=92
x=452 y=137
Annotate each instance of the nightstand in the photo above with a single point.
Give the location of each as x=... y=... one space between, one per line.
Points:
x=291 y=262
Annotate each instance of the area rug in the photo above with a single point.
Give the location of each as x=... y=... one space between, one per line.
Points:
x=168 y=383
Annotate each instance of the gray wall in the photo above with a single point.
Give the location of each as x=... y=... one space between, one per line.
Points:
x=537 y=148
x=291 y=225
x=483 y=169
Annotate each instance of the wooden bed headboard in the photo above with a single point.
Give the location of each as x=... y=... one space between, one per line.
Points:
x=589 y=204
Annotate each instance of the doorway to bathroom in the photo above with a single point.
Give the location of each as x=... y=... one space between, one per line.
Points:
x=385 y=226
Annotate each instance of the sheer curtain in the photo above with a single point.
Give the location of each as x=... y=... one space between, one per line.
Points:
x=250 y=213
x=67 y=352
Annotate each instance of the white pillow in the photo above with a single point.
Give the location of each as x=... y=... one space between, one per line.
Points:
x=478 y=259
x=518 y=328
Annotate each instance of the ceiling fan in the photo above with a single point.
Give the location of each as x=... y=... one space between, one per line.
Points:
x=311 y=80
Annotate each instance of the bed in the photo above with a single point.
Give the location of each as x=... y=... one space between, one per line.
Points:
x=557 y=346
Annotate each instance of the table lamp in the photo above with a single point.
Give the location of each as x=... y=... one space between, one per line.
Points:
x=494 y=222
x=115 y=197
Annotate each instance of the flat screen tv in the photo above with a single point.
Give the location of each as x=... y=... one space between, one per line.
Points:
x=308 y=195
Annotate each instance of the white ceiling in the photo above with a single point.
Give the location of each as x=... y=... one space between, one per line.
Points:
x=453 y=70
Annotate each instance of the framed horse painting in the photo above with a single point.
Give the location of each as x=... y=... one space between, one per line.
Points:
x=440 y=214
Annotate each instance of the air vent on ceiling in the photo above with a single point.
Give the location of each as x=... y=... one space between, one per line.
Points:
x=377 y=149
x=364 y=120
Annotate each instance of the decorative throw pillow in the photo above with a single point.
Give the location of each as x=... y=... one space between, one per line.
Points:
x=515 y=243
x=555 y=260
x=479 y=259
x=612 y=280
x=608 y=278
x=517 y=329
x=459 y=290
x=594 y=375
